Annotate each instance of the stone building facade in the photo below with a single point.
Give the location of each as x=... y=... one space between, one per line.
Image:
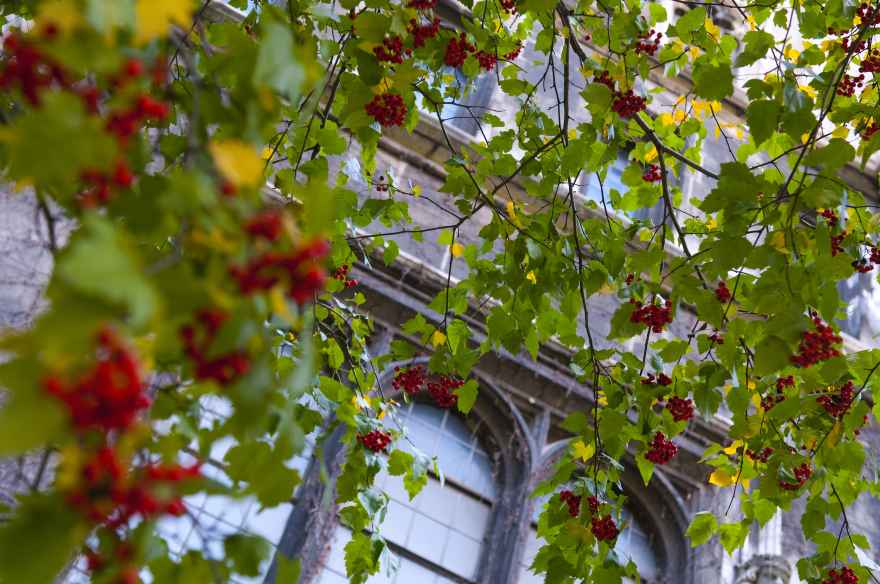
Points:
x=477 y=526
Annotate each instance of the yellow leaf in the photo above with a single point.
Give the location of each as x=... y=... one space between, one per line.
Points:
x=694 y=52
x=238 y=162
x=511 y=212
x=712 y=29
x=711 y=223
x=717 y=131
x=808 y=90
x=840 y=132
x=777 y=240
x=665 y=119
x=602 y=399
x=266 y=154
x=279 y=305
x=583 y=451
x=651 y=155
x=751 y=385
x=857 y=20
x=791 y=53
x=531 y=277
x=457 y=249
x=805 y=138
x=739 y=133
x=679 y=116
x=438 y=338
x=731 y=450
x=722 y=478
x=572 y=134
x=417 y=190
x=64 y=14
x=753 y=25
x=155 y=16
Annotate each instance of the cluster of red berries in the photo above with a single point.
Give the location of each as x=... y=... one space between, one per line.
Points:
x=375 y=440
x=267 y=225
x=818 y=345
x=123 y=552
x=422 y=4
x=512 y=55
x=875 y=255
x=862 y=265
x=381 y=185
x=421 y=33
x=126 y=123
x=837 y=243
x=508 y=6
x=783 y=382
x=648 y=42
x=769 y=401
x=108 y=397
x=870 y=130
x=871 y=63
x=224 y=369
x=762 y=455
x=848 y=85
x=341 y=274
x=717 y=338
x=681 y=409
x=29 y=70
x=843 y=576
x=627 y=104
x=653 y=316
x=652 y=174
x=109 y=494
x=442 y=390
x=388 y=109
x=837 y=404
x=856 y=48
x=830 y=216
x=605 y=79
x=662 y=449
x=411 y=380
x=869 y=15
x=573 y=501
x=100 y=186
x=722 y=292
x=802 y=474
x=604 y=528
x=487 y=60
x=661 y=379
x=391 y=50
x=457 y=50
x=299 y=269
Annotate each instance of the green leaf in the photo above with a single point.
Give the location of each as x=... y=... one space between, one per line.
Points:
x=467 y=396
x=277 y=66
x=287 y=570
x=771 y=355
x=246 y=552
x=763 y=117
x=690 y=21
x=399 y=462
x=733 y=536
x=26 y=553
x=757 y=45
x=703 y=526
x=713 y=81
x=101 y=263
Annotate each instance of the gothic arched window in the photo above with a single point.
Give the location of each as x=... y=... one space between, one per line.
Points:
x=438 y=537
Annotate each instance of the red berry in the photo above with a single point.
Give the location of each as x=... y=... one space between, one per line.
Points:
x=662 y=449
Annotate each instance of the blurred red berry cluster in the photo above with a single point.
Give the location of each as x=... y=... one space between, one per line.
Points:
x=661 y=449
x=224 y=369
